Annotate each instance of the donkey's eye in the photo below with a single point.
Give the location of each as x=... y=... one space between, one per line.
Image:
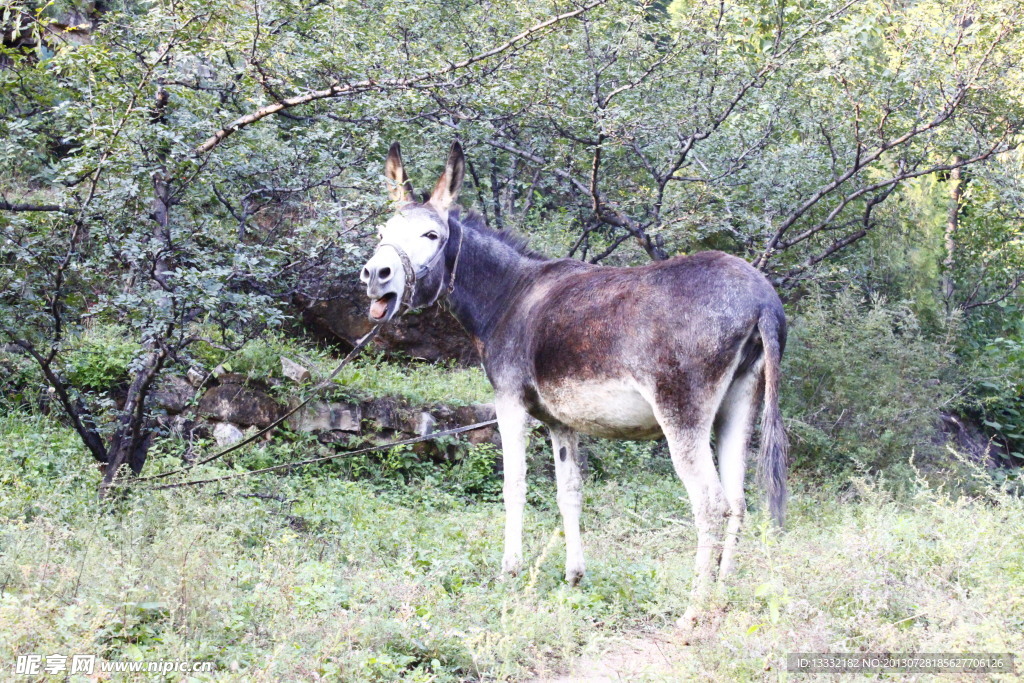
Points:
x=432 y=235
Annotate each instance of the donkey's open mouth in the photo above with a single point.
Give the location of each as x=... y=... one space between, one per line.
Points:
x=383 y=308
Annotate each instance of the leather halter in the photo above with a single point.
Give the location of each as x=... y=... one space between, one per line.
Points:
x=412 y=275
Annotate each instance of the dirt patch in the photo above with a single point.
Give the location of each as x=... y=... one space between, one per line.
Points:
x=652 y=657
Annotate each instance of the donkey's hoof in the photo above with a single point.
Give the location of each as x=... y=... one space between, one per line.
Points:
x=573 y=575
x=691 y=617
x=511 y=566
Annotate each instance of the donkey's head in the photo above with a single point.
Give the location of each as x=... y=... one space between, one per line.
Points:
x=409 y=265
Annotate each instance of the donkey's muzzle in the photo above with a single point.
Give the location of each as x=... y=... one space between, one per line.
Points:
x=385 y=283
x=376 y=278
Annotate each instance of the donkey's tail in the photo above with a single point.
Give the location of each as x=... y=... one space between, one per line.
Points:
x=774 y=455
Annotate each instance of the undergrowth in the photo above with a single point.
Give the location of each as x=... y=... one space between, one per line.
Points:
x=100 y=360
x=313 y=576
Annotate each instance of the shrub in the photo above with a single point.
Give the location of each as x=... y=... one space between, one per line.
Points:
x=610 y=459
x=997 y=393
x=864 y=386
x=473 y=471
x=19 y=381
x=100 y=360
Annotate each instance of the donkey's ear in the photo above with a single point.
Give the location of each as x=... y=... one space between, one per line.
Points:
x=399 y=186
x=448 y=185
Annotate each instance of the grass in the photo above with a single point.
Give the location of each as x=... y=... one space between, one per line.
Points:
x=99 y=360
x=420 y=383
x=369 y=375
x=312 y=576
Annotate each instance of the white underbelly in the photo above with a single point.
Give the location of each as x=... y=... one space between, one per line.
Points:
x=610 y=409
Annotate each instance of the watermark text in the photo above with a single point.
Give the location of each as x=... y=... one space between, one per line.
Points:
x=899 y=663
x=88 y=665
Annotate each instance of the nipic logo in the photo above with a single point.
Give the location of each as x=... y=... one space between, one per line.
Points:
x=35 y=665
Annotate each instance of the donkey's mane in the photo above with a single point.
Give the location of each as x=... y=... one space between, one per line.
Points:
x=476 y=222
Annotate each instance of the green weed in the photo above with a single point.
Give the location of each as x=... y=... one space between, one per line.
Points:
x=305 y=575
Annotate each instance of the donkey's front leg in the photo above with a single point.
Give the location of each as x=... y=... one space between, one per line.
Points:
x=512 y=420
x=570 y=498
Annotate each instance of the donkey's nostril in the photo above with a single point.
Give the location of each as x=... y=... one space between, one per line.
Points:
x=384 y=273
x=365 y=275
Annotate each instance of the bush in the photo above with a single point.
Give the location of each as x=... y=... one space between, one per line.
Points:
x=100 y=360
x=473 y=472
x=19 y=381
x=609 y=459
x=996 y=396
x=864 y=386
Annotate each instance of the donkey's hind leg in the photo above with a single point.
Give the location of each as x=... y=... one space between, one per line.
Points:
x=570 y=498
x=735 y=419
x=691 y=455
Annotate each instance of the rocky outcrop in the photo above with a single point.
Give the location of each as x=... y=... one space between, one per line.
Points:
x=236 y=402
x=235 y=405
x=227 y=434
x=327 y=417
x=967 y=436
x=432 y=334
x=294 y=371
x=69 y=22
x=172 y=394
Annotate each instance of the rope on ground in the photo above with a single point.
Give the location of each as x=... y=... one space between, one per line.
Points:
x=311 y=461
x=276 y=423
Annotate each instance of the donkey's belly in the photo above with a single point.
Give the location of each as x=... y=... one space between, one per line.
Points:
x=613 y=410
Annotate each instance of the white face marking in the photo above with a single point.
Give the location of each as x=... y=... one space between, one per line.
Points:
x=419 y=234
x=416 y=233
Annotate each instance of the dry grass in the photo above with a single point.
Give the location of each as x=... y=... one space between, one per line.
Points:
x=348 y=580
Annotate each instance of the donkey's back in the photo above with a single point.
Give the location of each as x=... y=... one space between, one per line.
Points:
x=607 y=350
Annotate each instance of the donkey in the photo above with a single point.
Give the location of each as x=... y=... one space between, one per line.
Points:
x=674 y=349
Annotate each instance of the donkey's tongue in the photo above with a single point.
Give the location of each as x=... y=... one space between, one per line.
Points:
x=379 y=308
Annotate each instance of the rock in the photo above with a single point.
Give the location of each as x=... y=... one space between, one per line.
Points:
x=172 y=394
x=294 y=371
x=227 y=434
x=186 y=428
x=341 y=316
x=426 y=424
x=324 y=417
x=484 y=435
x=338 y=438
x=482 y=412
x=968 y=437
x=195 y=377
x=463 y=416
x=240 y=404
x=389 y=413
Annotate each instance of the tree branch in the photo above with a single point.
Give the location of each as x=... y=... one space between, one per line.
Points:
x=423 y=81
x=847 y=240
x=75 y=411
x=1014 y=285
x=8 y=206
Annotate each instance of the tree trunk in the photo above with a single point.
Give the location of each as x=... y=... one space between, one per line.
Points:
x=81 y=419
x=129 y=441
x=956 y=191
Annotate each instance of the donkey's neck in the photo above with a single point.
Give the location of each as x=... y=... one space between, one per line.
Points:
x=489 y=275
